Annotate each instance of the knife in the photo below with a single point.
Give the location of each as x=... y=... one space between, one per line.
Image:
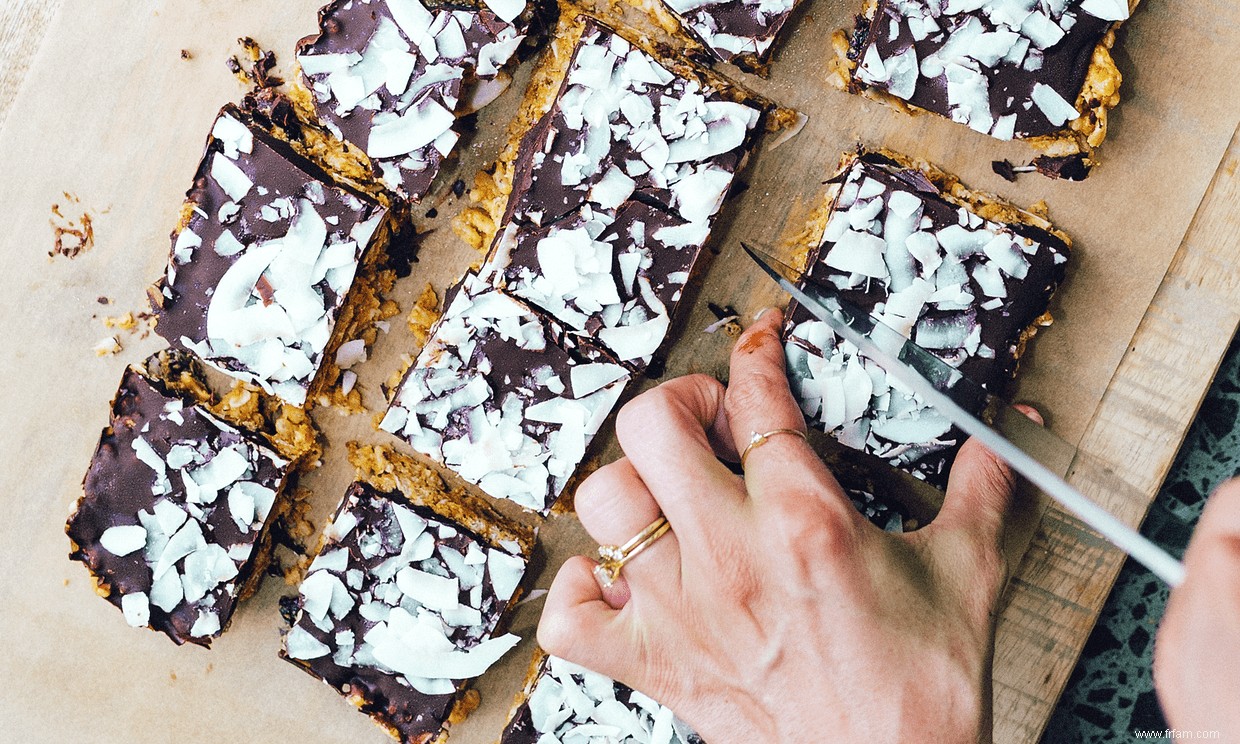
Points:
x=948 y=391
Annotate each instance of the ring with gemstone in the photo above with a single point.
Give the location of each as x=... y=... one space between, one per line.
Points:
x=759 y=439
x=611 y=558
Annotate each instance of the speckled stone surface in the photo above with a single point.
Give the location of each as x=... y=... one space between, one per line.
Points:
x=1111 y=692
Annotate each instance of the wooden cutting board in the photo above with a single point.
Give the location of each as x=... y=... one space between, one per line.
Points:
x=109 y=121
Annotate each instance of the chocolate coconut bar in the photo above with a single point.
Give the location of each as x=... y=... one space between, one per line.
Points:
x=563 y=702
x=738 y=31
x=264 y=261
x=389 y=76
x=175 y=510
x=496 y=397
x=965 y=277
x=1012 y=69
x=614 y=193
x=403 y=606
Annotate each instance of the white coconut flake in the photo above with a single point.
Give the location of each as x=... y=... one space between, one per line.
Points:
x=1107 y=10
x=230 y=177
x=123 y=539
x=506 y=10
x=1053 y=106
x=137 y=609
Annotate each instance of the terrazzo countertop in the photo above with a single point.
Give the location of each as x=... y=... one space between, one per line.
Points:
x=1111 y=695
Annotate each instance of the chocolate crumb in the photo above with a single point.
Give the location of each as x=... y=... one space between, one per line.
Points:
x=656 y=368
x=185 y=54
x=1004 y=169
x=288 y=610
x=432 y=213
x=1066 y=168
x=103 y=300
x=458 y=188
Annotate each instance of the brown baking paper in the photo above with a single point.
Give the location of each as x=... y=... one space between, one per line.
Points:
x=111 y=123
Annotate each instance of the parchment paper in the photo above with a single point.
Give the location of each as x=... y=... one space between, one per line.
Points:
x=114 y=116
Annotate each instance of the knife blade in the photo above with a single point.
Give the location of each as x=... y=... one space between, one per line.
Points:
x=945 y=389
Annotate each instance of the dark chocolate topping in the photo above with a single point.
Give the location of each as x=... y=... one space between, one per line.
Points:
x=253 y=197
x=363 y=578
x=121 y=489
x=990 y=283
x=995 y=58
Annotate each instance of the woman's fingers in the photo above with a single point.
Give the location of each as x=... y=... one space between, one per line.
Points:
x=979 y=492
x=759 y=401
x=665 y=434
x=579 y=625
x=1195 y=668
x=614 y=505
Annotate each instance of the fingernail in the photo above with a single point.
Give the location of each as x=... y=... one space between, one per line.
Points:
x=1030 y=411
x=763 y=311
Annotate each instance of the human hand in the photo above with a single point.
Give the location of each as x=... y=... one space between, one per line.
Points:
x=773 y=611
x=1195 y=656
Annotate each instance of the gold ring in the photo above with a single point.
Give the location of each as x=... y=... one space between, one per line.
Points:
x=757 y=440
x=611 y=558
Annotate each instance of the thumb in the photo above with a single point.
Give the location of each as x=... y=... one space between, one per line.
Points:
x=1195 y=657
x=979 y=491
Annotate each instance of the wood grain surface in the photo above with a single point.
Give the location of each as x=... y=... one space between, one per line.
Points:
x=1057 y=591
x=23 y=26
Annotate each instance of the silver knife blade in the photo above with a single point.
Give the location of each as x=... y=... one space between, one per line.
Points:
x=949 y=392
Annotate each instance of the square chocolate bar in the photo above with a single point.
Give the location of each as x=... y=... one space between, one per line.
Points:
x=389 y=76
x=174 y=516
x=1012 y=69
x=402 y=607
x=496 y=397
x=615 y=190
x=563 y=702
x=264 y=261
x=963 y=276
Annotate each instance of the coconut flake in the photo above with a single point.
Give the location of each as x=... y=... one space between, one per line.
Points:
x=1053 y=106
x=123 y=539
x=506 y=10
x=137 y=609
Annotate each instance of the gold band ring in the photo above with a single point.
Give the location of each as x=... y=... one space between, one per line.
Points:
x=612 y=558
x=759 y=439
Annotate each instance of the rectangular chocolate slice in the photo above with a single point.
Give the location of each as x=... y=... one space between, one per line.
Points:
x=404 y=604
x=264 y=261
x=495 y=397
x=176 y=505
x=391 y=76
x=738 y=31
x=1012 y=69
x=563 y=702
x=615 y=189
x=965 y=277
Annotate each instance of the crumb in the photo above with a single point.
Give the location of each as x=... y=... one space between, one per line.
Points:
x=172 y=676
x=73 y=235
x=423 y=314
x=185 y=54
x=103 y=300
x=210 y=667
x=458 y=188
x=107 y=346
x=66 y=582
